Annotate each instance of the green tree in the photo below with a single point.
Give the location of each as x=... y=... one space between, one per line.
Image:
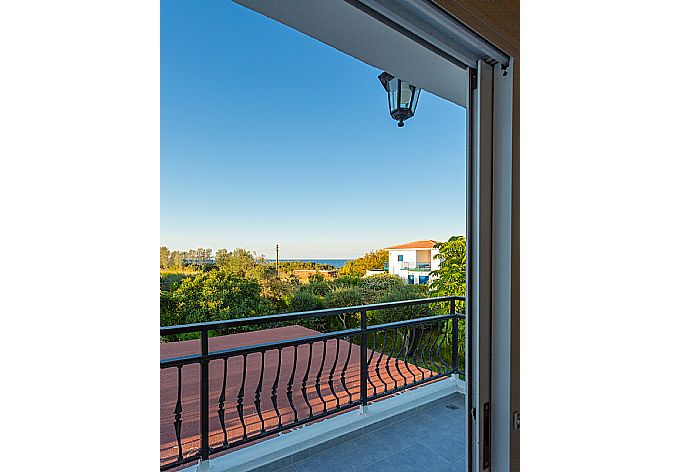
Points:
x=370 y=261
x=347 y=281
x=316 y=277
x=400 y=293
x=277 y=291
x=306 y=300
x=409 y=337
x=342 y=297
x=176 y=259
x=373 y=288
x=218 y=295
x=169 y=313
x=165 y=257
x=239 y=263
x=318 y=287
x=222 y=257
x=451 y=277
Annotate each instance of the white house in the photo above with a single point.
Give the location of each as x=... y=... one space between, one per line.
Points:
x=413 y=261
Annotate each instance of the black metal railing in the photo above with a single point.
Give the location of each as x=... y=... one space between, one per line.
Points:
x=278 y=385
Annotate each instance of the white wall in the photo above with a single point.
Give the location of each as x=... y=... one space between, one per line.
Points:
x=395 y=267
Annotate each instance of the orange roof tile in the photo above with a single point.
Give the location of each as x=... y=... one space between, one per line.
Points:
x=421 y=244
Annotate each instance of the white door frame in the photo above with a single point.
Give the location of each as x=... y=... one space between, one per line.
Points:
x=493 y=395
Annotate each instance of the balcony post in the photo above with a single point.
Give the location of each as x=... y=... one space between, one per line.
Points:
x=455 y=336
x=363 y=367
x=203 y=411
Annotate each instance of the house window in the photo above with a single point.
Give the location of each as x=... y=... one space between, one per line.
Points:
x=400 y=257
x=410 y=279
x=423 y=279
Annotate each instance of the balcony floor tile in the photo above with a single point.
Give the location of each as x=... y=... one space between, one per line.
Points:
x=432 y=440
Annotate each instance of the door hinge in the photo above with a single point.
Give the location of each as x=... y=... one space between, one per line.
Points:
x=486 y=443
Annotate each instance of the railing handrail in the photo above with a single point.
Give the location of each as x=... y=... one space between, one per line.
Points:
x=252 y=348
x=275 y=318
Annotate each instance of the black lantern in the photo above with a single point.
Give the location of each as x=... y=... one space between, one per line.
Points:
x=402 y=97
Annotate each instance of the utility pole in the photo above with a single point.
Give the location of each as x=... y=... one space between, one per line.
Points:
x=277 y=273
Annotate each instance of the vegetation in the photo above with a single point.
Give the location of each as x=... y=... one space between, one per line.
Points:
x=451 y=279
x=371 y=261
x=195 y=287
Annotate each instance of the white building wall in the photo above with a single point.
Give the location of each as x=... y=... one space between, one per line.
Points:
x=395 y=267
x=435 y=263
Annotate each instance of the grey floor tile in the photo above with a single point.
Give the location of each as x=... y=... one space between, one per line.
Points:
x=415 y=458
x=450 y=447
x=289 y=468
x=346 y=457
x=429 y=441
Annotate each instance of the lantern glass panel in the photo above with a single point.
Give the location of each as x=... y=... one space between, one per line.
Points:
x=393 y=95
x=405 y=94
x=415 y=99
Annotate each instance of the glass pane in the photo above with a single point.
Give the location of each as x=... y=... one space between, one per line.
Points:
x=393 y=94
x=405 y=95
x=415 y=99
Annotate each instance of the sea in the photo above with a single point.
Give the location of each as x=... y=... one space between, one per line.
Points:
x=337 y=263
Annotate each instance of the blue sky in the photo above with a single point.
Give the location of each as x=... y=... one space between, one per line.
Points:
x=269 y=136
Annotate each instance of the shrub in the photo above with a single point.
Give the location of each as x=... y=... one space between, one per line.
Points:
x=342 y=297
x=168 y=309
x=373 y=288
x=169 y=281
x=347 y=281
x=398 y=293
x=320 y=288
x=371 y=260
x=217 y=295
x=306 y=300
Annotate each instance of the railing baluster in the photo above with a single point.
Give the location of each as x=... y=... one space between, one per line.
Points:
x=203 y=410
x=455 y=336
x=428 y=348
x=423 y=348
x=304 y=381
x=437 y=367
x=371 y=356
x=342 y=373
x=178 y=413
x=378 y=362
x=274 y=396
x=416 y=350
x=221 y=402
x=363 y=368
x=330 y=375
x=257 y=394
x=317 y=383
x=409 y=346
x=289 y=385
x=388 y=360
x=240 y=397
x=397 y=358
x=443 y=340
